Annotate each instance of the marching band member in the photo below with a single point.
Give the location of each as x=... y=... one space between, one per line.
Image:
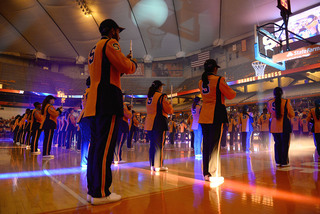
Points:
x=35 y=128
x=213 y=89
x=314 y=117
x=196 y=127
x=106 y=64
x=264 y=122
x=156 y=124
x=280 y=110
x=295 y=121
x=85 y=123
x=122 y=133
x=246 y=121
x=50 y=114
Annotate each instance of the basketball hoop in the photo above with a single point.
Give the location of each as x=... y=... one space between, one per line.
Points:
x=259 y=67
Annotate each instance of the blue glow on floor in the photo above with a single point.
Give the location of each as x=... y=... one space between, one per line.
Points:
x=30 y=174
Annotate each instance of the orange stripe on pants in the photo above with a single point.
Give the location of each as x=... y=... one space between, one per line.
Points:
x=103 y=175
x=48 y=142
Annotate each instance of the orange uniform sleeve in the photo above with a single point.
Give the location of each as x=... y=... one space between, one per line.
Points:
x=37 y=115
x=310 y=116
x=167 y=107
x=53 y=112
x=226 y=90
x=127 y=113
x=118 y=59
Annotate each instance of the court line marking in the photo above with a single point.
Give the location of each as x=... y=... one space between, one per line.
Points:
x=66 y=188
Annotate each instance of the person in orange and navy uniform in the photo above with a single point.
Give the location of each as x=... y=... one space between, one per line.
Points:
x=304 y=125
x=314 y=118
x=85 y=126
x=50 y=115
x=134 y=123
x=196 y=127
x=295 y=122
x=264 y=122
x=35 y=128
x=231 y=129
x=246 y=121
x=214 y=90
x=172 y=130
x=156 y=124
x=122 y=133
x=71 y=128
x=281 y=111
x=106 y=64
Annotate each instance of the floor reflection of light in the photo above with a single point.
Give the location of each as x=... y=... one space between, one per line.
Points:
x=269 y=192
x=216 y=181
x=30 y=174
x=198 y=157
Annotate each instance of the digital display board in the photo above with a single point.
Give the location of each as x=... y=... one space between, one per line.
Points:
x=305 y=24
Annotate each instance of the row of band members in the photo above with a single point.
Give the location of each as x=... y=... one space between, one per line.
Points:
x=67 y=129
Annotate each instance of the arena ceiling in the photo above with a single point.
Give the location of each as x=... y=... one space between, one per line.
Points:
x=60 y=30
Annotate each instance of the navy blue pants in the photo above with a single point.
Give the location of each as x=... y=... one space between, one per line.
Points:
x=85 y=129
x=156 y=148
x=104 y=131
x=281 y=147
x=211 y=149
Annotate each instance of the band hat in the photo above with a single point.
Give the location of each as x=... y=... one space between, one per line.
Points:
x=211 y=63
x=107 y=25
x=50 y=97
x=157 y=83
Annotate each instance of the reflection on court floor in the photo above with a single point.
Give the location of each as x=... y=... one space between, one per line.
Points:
x=252 y=182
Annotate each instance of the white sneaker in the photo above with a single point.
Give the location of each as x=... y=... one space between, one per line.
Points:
x=35 y=153
x=152 y=168
x=163 y=168
x=48 y=156
x=89 y=198
x=28 y=147
x=18 y=144
x=38 y=150
x=113 y=197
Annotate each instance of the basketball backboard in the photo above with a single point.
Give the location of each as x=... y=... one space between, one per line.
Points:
x=267 y=44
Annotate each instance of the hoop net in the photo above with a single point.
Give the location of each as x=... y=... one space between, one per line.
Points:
x=259 y=67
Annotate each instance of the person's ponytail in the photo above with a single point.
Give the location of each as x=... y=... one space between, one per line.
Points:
x=277 y=92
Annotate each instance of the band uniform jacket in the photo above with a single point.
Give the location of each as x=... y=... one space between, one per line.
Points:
x=84 y=102
x=264 y=121
x=232 y=125
x=195 y=115
x=106 y=63
x=277 y=125
x=53 y=115
x=244 y=121
x=172 y=126
x=209 y=97
x=304 y=125
x=316 y=125
x=295 y=121
x=151 y=105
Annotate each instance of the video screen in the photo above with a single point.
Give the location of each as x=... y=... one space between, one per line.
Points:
x=305 y=24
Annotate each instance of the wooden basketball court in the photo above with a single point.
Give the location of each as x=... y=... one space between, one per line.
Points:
x=253 y=184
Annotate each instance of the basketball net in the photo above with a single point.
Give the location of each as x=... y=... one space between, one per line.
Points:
x=259 y=67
